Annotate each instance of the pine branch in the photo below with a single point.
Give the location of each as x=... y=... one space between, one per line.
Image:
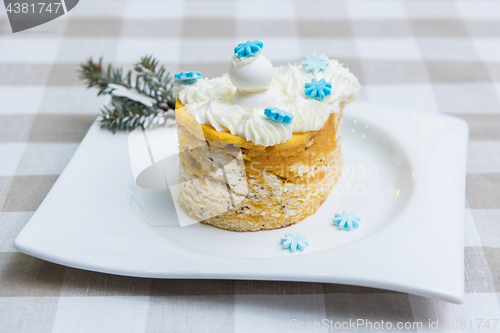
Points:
x=146 y=99
x=97 y=76
x=155 y=82
x=125 y=114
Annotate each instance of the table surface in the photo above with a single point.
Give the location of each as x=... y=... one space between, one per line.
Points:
x=433 y=56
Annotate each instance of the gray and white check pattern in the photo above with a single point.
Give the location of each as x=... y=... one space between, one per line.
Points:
x=434 y=56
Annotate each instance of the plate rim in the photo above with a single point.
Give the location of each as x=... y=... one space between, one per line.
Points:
x=453 y=292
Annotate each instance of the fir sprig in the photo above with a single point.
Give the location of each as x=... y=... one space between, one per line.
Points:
x=145 y=99
x=125 y=114
x=154 y=81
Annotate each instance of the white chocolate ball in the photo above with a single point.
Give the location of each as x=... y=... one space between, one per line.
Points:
x=255 y=76
x=261 y=99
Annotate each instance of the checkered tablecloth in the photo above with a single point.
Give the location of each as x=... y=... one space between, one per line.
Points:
x=434 y=56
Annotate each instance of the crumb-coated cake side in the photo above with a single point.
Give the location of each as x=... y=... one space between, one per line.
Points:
x=260 y=151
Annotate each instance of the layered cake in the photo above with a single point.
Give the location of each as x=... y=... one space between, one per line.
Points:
x=260 y=147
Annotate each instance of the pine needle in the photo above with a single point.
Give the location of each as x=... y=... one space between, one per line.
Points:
x=148 y=79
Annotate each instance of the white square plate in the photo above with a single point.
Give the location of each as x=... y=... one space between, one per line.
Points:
x=410 y=198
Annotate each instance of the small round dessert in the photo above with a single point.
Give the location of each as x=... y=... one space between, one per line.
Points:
x=253 y=75
x=260 y=148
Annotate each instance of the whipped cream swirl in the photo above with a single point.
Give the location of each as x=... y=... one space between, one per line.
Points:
x=290 y=80
x=221 y=116
x=258 y=128
x=308 y=114
x=345 y=85
x=204 y=90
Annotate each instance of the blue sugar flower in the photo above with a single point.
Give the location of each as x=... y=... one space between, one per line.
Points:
x=187 y=77
x=346 y=220
x=318 y=89
x=315 y=63
x=248 y=49
x=294 y=241
x=278 y=115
